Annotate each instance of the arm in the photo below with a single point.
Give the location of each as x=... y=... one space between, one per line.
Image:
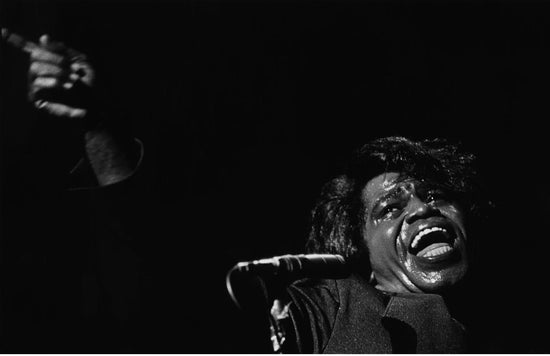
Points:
x=62 y=84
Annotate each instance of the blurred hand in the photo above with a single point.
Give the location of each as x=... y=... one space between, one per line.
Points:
x=60 y=79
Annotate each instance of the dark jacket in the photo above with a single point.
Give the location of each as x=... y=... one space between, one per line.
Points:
x=350 y=316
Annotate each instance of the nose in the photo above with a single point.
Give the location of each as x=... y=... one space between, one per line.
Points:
x=418 y=209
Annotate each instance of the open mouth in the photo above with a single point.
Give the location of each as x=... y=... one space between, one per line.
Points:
x=433 y=243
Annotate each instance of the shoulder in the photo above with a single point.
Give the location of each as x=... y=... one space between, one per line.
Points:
x=327 y=312
x=339 y=291
x=334 y=299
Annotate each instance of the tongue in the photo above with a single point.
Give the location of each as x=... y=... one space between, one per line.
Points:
x=435 y=249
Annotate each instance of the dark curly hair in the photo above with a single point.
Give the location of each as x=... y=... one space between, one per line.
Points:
x=339 y=213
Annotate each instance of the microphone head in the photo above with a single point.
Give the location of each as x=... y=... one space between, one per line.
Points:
x=298 y=266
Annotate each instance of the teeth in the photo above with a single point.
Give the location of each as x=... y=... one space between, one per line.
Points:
x=437 y=251
x=425 y=232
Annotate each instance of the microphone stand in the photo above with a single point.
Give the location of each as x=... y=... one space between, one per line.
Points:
x=280 y=271
x=270 y=304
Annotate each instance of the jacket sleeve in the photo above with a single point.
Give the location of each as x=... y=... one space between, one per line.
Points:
x=106 y=172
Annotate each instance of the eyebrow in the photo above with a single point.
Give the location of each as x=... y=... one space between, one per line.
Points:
x=391 y=194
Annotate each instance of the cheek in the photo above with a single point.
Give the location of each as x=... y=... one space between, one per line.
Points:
x=454 y=214
x=380 y=236
x=391 y=231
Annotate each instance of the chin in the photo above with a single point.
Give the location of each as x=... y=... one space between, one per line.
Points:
x=437 y=281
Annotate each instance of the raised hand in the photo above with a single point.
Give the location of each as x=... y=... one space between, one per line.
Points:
x=61 y=79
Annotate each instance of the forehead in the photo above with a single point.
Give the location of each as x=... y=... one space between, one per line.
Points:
x=379 y=186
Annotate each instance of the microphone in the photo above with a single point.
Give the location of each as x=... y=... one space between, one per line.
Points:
x=298 y=266
x=284 y=269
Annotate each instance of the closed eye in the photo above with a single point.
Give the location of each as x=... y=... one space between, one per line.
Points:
x=391 y=211
x=437 y=196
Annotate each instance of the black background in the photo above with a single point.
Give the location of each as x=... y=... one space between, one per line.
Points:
x=245 y=110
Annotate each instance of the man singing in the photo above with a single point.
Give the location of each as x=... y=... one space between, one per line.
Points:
x=398 y=215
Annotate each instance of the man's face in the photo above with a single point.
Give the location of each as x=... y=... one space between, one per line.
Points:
x=415 y=235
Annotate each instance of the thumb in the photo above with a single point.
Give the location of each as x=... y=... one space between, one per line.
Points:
x=44 y=40
x=60 y=110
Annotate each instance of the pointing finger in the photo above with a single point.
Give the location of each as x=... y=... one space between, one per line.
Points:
x=18 y=41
